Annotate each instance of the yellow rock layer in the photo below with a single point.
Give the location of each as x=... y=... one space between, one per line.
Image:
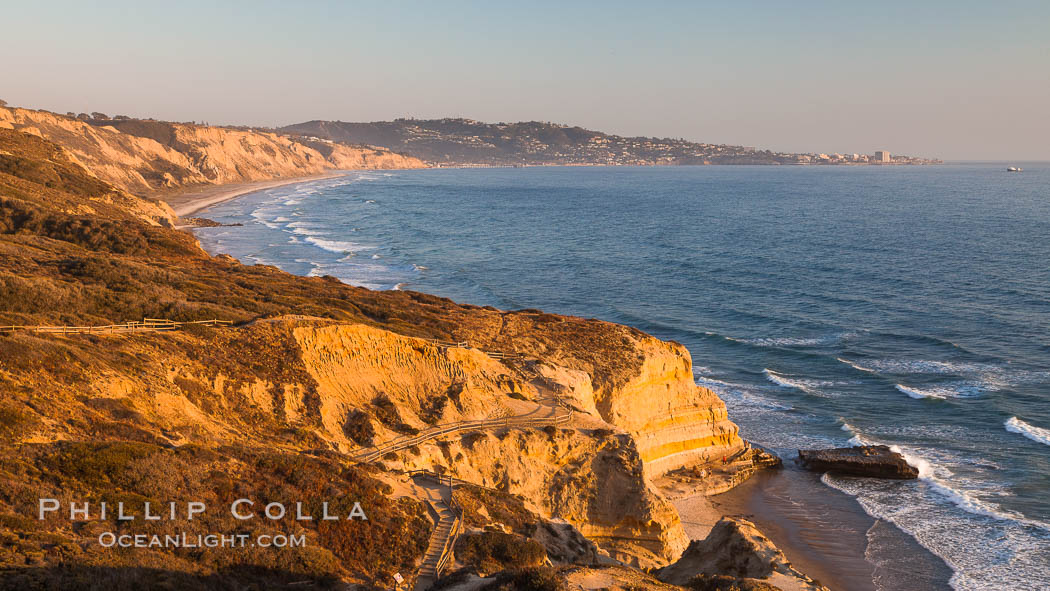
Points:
x=675 y=422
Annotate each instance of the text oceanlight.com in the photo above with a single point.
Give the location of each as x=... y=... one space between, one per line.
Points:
x=184 y=540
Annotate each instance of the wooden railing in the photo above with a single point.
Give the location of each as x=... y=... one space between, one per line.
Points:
x=449 y=543
x=465 y=345
x=449 y=344
x=446 y=551
x=146 y=325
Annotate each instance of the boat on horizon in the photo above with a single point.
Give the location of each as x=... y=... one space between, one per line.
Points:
x=1014 y=169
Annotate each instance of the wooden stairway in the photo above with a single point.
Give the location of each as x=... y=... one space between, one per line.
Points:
x=443 y=538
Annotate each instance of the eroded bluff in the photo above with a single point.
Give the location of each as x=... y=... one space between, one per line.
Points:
x=143 y=156
x=629 y=422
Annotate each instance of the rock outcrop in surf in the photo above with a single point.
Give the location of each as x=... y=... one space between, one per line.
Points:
x=876 y=461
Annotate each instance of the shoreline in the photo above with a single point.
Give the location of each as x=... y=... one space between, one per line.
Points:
x=190 y=201
x=823 y=532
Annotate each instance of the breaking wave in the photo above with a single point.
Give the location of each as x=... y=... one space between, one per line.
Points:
x=808 y=386
x=937 y=477
x=1016 y=425
x=962 y=390
x=855 y=365
x=303 y=229
x=796 y=341
x=740 y=394
x=336 y=246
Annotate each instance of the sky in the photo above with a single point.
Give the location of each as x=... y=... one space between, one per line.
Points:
x=953 y=80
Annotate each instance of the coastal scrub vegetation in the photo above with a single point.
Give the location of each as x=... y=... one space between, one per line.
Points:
x=528 y=579
x=484 y=506
x=491 y=552
x=393 y=538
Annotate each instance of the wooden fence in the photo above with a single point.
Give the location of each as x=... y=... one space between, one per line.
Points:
x=146 y=325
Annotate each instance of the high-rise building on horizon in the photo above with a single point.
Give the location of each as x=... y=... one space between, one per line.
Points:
x=882 y=156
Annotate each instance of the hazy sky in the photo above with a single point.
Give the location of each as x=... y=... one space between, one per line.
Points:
x=956 y=80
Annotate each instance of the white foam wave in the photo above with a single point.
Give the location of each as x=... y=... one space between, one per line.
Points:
x=945 y=392
x=919 y=394
x=981 y=376
x=786 y=341
x=418 y=267
x=336 y=246
x=808 y=386
x=1016 y=425
x=781 y=380
x=262 y=215
x=984 y=554
x=925 y=468
x=707 y=381
x=304 y=229
x=796 y=341
x=938 y=478
x=740 y=394
x=967 y=502
x=855 y=365
x=857 y=439
x=266 y=223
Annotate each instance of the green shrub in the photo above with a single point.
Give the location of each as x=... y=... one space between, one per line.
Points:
x=386 y=411
x=15 y=422
x=528 y=579
x=500 y=507
x=490 y=552
x=358 y=427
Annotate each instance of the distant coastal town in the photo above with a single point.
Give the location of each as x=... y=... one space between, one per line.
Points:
x=466 y=142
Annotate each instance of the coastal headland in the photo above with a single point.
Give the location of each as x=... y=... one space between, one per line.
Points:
x=514 y=447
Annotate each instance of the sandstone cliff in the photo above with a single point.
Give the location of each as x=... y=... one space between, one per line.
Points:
x=144 y=156
x=674 y=422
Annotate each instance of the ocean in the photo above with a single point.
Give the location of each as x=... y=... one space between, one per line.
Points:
x=908 y=306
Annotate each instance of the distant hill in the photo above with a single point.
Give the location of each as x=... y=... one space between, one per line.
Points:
x=469 y=142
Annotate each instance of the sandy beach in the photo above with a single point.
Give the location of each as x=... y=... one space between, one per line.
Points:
x=190 y=201
x=822 y=532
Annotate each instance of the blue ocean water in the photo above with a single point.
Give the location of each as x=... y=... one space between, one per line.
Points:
x=908 y=306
